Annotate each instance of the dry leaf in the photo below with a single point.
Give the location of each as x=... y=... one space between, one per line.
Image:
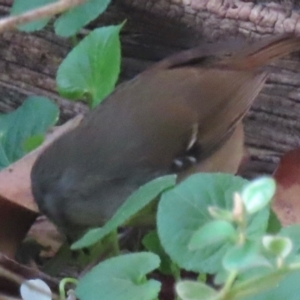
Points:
x=286 y=203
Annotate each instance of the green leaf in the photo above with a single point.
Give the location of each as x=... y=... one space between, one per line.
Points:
x=193 y=290
x=220 y=214
x=33 y=142
x=138 y=200
x=221 y=277
x=255 y=272
x=92 y=68
x=279 y=285
x=21 y=6
x=72 y=21
x=241 y=257
x=184 y=209
x=214 y=232
x=258 y=193
x=34 y=117
x=278 y=245
x=121 y=277
x=293 y=233
x=274 y=224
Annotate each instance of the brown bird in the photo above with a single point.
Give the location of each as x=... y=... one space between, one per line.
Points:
x=182 y=115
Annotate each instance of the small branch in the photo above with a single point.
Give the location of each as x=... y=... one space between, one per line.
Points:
x=19 y=280
x=10 y=23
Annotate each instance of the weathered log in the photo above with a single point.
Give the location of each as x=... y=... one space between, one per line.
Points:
x=156 y=28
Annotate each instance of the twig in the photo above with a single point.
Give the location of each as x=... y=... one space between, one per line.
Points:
x=19 y=280
x=10 y=23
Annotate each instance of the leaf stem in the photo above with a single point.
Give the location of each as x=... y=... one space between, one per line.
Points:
x=114 y=242
x=294 y=266
x=49 y=10
x=62 y=285
x=256 y=285
x=228 y=284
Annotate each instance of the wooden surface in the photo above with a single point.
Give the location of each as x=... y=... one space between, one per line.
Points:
x=156 y=28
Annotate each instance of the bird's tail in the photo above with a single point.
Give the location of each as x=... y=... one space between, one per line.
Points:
x=263 y=53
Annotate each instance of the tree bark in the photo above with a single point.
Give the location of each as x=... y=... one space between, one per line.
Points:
x=155 y=29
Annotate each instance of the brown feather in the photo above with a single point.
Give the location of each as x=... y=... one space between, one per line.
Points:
x=190 y=104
